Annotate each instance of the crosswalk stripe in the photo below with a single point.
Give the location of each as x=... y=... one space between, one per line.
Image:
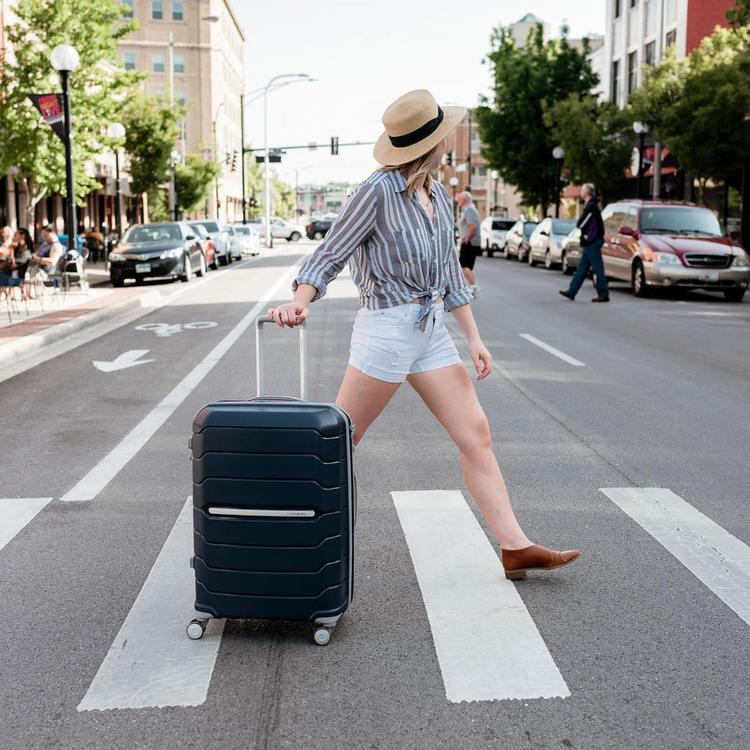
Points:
x=551 y=349
x=487 y=644
x=713 y=555
x=152 y=662
x=16 y=512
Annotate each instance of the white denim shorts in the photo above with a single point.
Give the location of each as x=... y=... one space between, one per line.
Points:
x=388 y=345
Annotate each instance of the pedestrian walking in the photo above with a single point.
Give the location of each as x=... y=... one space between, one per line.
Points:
x=592 y=240
x=396 y=232
x=470 y=238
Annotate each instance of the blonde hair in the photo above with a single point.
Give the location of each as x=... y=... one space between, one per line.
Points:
x=416 y=172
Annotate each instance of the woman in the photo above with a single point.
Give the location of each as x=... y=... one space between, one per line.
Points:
x=23 y=249
x=397 y=228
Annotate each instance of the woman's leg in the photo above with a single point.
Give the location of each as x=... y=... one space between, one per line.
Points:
x=363 y=398
x=449 y=394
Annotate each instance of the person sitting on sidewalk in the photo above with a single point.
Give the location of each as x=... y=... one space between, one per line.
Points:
x=45 y=260
x=23 y=249
x=6 y=255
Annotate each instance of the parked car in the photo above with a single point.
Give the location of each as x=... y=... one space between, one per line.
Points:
x=570 y=252
x=209 y=251
x=318 y=228
x=492 y=234
x=281 y=229
x=517 y=239
x=545 y=243
x=672 y=244
x=150 y=250
x=247 y=237
x=221 y=239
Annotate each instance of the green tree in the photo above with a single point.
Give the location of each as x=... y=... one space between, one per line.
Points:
x=697 y=106
x=597 y=138
x=152 y=128
x=527 y=81
x=98 y=88
x=739 y=15
x=194 y=179
x=283 y=203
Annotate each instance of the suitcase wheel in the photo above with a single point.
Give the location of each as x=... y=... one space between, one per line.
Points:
x=196 y=629
x=322 y=636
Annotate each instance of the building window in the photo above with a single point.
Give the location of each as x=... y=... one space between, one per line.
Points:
x=649 y=54
x=614 y=93
x=178 y=10
x=671 y=38
x=670 y=11
x=128 y=60
x=650 y=13
x=618 y=8
x=632 y=72
x=157 y=62
x=181 y=100
x=157 y=10
x=179 y=64
x=127 y=8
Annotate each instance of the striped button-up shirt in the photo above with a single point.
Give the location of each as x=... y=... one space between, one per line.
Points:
x=396 y=252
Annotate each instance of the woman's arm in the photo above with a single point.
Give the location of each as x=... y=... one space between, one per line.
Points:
x=479 y=353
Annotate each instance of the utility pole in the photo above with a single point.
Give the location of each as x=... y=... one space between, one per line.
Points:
x=242 y=152
x=468 y=159
x=170 y=78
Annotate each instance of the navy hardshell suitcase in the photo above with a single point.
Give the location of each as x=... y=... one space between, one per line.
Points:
x=274 y=506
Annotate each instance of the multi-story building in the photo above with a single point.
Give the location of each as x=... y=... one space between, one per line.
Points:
x=208 y=76
x=638 y=32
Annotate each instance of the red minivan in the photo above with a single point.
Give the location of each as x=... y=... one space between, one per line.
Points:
x=670 y=244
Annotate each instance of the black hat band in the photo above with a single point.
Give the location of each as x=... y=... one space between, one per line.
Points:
x=409 y=139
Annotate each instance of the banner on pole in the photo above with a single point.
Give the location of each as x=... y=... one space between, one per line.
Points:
x=50 y=107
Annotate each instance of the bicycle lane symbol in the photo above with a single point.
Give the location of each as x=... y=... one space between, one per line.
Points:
x=169 y=329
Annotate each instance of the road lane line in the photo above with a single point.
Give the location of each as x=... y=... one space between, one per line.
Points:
x=152 y=662
x=107 y=469
x=487 y=645
x=713 y=555
x=551 y=349
x=16 y=513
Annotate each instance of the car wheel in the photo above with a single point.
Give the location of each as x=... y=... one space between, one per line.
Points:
x=214 y=265
x=223 y=260
x=187 y=274
x=530 y=258
x=318 y=236
x=490 y=252
x=548 y=260
x=638 y=280
x=295 y=237
x=118 y=282
x=564 y=265
x=139 y=280
x=202 y=266
x=734 y=295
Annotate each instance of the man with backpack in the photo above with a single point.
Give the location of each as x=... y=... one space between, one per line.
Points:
x=592 y=240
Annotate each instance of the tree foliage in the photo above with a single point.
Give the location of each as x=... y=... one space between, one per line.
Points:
x=98 y=88
x=739 y=15
x=698 y=105
x=194 y=179
x=528 y=80
x=597 y=137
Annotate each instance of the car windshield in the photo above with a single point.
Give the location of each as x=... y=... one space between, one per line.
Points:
x=242 y=230
x=528 y=228
x=563 y=226
x=211 y=226
x=198 y=229
x=674 y=220
x=502 y=224
x=153 y=233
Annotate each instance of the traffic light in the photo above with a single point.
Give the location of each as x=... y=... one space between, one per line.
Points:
x=234 y=160
x=334 y=145
x=227 y=158
x=449 y=158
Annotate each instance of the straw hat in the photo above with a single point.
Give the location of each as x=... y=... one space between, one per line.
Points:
x=414 y=124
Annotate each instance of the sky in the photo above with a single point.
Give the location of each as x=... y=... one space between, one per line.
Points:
x=366 y=54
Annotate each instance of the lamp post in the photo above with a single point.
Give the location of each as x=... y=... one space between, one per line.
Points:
x=65 y=59
x=453 y=182
x=494 y=174
x=15 y=172
x=216 y=155
x=640 y=129
x=116 y=131
x=176 y=159
x=558 y=154
x=293 y=78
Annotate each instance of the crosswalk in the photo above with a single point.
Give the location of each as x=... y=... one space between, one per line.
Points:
x=487 y=645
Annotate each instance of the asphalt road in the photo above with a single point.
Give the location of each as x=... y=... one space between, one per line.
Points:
x=649 y=655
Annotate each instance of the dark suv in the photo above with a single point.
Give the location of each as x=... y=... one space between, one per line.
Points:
x=318 y=228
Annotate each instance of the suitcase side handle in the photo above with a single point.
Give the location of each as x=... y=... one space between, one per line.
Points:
x=260 y=321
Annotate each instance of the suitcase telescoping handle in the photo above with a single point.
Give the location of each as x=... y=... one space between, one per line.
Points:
x=260 y=321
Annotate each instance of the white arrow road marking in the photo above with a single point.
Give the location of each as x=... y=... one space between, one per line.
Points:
x=125 y=360
x=111 y=465
x=487 y=644
x=16 y=512
x=152 y=662
x=715 y=557
x=551 y=349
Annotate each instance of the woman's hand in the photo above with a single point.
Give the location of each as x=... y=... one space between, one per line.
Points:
x=289 y=315
x=481 y=358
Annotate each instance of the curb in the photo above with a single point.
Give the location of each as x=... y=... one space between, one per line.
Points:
x=32 y=343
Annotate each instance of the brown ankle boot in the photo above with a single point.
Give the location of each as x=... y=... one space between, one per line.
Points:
x=517 y=561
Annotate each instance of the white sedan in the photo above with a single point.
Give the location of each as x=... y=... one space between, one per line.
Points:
x=247 y=238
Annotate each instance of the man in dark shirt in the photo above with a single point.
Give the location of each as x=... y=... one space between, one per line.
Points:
x=592 y=240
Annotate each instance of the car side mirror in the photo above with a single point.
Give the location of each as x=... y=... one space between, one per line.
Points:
x=190 y=237
x=628 y=232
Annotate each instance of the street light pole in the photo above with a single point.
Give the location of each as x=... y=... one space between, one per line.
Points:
x=170 y=78
x=641 y=129
x=15 y=171
x=216 y=156
x=117 y=131
x=558 y=154
x=65 y=60
x=453 y=182
x=242 y=158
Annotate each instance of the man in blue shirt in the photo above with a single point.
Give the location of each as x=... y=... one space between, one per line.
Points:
x=470 y=238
